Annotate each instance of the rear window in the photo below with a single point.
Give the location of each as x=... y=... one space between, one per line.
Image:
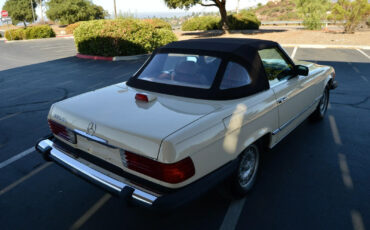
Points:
x=182 y=69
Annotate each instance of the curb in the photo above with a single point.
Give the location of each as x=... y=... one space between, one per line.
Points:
x=312 y=46
x=39 y=39
x=116 y=58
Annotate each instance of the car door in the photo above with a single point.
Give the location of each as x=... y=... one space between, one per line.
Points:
x=291 y=92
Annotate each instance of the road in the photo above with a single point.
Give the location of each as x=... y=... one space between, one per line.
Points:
x=316 y=178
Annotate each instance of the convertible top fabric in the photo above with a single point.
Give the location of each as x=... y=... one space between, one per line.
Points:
x=242 y=51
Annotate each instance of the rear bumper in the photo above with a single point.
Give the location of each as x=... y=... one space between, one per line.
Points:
x=127 y=189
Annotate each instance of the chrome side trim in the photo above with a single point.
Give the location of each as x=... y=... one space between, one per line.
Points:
x=91 y=137
x=295 y=117
x=93 y=175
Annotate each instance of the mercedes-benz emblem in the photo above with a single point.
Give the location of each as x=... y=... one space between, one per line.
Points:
x=91 y=128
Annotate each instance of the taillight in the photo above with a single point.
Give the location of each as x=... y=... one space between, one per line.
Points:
x=62 y=131
x=171 y=173
x=145 y=97
x=333 y=74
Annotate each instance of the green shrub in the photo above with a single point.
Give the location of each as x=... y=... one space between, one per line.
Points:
x=34 y=32
x=15 y=34
x=158 y=23
x=245 y=20
x=202 y=23
x=120 y=37
x=71 y=27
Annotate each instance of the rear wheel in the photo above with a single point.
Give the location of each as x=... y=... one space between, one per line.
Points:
x=245 y=175
x=320 y=111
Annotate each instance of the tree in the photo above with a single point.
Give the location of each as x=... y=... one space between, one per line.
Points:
x=220 y=4
x=312 y=11
x=20 y=10
x=351 y=12
x=71 y=11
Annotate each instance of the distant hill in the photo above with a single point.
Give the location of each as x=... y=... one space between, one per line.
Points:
x=283 y=10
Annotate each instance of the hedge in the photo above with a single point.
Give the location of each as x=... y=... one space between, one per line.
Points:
x=245 y=20
x=120 y=37
x=71 y=27
x=159 y=23
x=202 y=23
x=34 y=32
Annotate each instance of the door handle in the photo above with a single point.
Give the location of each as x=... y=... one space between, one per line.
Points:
x=281 y=100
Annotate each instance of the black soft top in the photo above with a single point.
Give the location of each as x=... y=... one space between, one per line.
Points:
x=242 y=51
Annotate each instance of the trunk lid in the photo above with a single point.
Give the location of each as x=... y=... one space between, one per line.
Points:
x=113 y=114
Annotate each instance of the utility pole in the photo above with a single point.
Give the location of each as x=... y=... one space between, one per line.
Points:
x=115 y=9
x=237 y=7
x=33 y=13
x=42 y=13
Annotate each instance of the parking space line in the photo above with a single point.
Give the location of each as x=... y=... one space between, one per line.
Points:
x=86 y=216
x=356 y=69
x=232 y=215
x=294 y=52
x=363 y=53
x=334 y=130
x=19 y=181
x=346 y=176
x=9 y=116
x=357 y=222
x=16 y=157
x=364 y=78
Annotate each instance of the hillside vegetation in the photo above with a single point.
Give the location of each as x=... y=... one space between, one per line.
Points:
x=280 y=11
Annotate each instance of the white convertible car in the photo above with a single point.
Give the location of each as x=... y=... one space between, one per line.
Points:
x=198 y=112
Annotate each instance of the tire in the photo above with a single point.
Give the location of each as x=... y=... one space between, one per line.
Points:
x=244 y=177
x=322 y=107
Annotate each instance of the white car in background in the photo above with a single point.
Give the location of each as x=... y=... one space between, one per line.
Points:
x=198 y=112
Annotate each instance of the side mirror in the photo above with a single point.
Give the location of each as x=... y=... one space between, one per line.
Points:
x=301 y=70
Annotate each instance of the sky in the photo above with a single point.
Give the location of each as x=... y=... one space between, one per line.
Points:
x=147 y=8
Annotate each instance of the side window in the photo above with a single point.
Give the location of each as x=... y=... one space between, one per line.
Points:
x=235 y=76
x=276 y=67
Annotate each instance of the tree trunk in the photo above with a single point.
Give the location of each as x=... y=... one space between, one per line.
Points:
x=24 y=23
x=222 y=8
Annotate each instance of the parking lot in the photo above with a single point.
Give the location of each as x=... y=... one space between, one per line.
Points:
x=316 y=178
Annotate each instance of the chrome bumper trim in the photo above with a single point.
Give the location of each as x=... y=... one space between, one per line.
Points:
x=92 y=175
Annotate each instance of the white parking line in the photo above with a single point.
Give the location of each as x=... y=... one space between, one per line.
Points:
x=16 y=157
x=357 y=222
x=334 y=130
x=232 y=215
x=9 y=116
x=364 y=78
x=294 y=52
x=86 y=216
x=346 y=176
x=363 y=53
x=37 y=170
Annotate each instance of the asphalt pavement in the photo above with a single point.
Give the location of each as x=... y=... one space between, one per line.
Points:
x=316 y=178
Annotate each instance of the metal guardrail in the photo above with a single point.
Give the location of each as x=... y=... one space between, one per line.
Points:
x=298 y=22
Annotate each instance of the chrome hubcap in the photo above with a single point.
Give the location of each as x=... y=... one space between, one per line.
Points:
x=323 y=102
x=248 y=166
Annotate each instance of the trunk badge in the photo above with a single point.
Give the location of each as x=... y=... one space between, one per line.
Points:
x=91 y=128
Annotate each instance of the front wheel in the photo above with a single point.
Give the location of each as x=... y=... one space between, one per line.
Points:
x=320 y=111
x=245 y=175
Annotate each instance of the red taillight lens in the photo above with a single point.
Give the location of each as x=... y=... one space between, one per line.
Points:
x=62 y=131
x=171 y=173
x=141 y=97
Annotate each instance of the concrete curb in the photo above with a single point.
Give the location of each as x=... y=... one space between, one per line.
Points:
x=313 y=46
x=116 y=58
x=40 y=39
